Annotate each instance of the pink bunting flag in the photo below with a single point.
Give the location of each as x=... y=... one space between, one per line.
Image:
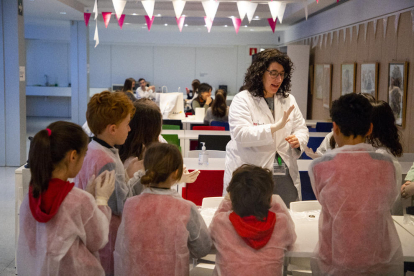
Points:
x=121 y=20
x=272 y=24
x=180 y=22
x=209 y=23
x=317 y=1
x=107 y=17
x=86 y=16
x=237 y=23
x=149 y=21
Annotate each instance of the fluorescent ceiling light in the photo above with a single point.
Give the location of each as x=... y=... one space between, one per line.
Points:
x=186 y=25
x=165 y=24
x=134 y=13
x=62 y=12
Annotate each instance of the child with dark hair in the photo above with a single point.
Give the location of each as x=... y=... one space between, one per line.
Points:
x=218 y=111
x=62 y=227
x=252 y=228
x=108 y=117
x=203 y=98
x=356 y=187
x=160 y=230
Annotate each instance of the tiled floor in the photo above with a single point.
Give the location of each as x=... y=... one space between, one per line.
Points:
x=7 y=197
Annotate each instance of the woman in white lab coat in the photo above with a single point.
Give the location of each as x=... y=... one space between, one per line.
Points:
x=265 y=119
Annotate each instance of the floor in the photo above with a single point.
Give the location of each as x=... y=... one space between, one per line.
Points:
x=7 y=208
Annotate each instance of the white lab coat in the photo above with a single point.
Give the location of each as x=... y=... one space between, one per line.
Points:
x=144 y=94
x=252 y=141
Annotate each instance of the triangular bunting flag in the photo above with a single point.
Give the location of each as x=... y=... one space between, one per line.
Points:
x=96 y=36
x=251 y=10
x=331 y=37
x=107 y=17
x=344 y=29
x=315 y=41
x=281 y=12
x=86 y=16
x=412 y=19
x=95 y=9
x=357 y=29
x=366 y=30
x=375 y=27
x=210 y=8
x=320 y=41
x=272 y=24
x=242 y=6
x=385 y=23
x=274 y=7
x=306 y=9
x=178 y=8
x=121 y=20
x=397 y=18
x=149 y=21
x=326 y=39
x=350 y=30
x=236 y=24
x=119 y=6
x=209 y=23
x=337 y=37
x=149 y=8
x=180 y=22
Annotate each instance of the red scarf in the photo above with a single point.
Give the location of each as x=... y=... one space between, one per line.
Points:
x=45 y=207
x=254 y=232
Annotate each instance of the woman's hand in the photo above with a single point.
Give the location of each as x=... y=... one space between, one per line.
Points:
x=209 y=100
x=407 y=189
x=282 y=122
x=293 y=141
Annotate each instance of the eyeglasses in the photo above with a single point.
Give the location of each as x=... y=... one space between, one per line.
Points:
x=274 y=74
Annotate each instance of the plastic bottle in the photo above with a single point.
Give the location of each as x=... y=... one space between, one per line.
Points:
x=203 y=155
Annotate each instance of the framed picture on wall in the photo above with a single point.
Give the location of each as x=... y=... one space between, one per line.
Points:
x=318 y=83
x=369 y=78
x=327 y=85
x=397 y=90
x=348 y=71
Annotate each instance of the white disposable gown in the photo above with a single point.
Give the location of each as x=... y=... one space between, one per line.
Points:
x=252 y=141
x=97 y=160
x=235 y=257
x=357 y=236
x=68 y=244
x=158 y=234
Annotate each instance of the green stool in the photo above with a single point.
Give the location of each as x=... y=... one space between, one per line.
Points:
x=174 y=127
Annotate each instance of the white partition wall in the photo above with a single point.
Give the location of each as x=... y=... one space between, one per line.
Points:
x=299 y=54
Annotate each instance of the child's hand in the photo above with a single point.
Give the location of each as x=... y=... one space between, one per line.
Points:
x=90 y=188
x=105 y=186
x=134 y=166
x=407 y=189
x=189 y=177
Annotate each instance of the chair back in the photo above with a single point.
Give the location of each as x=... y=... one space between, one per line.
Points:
x=173 y=122
x=324 y=127
x=302 y=206
x=209 y=128
x=211 y=202
x=214 y=142
x=207 y=186
x=211 y=153
x=172 y=139
x=192 y=126
x=222 y=124
x=173 y=127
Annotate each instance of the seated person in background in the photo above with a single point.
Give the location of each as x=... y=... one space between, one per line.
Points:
x=160 y=230
x=252 y=228
x=203 y=98
x=128 y=89
x=143 y=91
x=356 y=187
x=191 y=94
x=219 y=111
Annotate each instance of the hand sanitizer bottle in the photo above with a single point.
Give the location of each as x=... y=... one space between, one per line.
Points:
x=203 y=155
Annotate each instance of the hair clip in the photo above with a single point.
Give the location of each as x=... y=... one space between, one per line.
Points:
x=49 y=132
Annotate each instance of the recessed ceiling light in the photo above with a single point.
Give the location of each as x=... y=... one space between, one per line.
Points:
x=225 y=26
x=165 y=24
x=134 y=13
x=145 y=24
x=158 y=15
x=183 y=15
x=62 y=12
x=186 y=25
x=245 y=26
x=205 y=25
x=256 y=16
x=127 y=23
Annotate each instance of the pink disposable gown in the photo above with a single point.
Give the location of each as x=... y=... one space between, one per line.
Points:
x=235 y=257
x=68 y=244
x=159 y=231
x=357 y=236
x=97 y=160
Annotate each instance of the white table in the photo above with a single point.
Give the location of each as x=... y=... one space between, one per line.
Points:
x=188 y=122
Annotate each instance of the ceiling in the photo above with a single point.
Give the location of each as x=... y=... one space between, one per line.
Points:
x=66 y=10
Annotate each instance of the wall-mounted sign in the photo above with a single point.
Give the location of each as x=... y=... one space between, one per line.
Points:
x=252 y=51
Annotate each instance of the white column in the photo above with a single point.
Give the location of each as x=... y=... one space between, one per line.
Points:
x=79 y=63
x=12 y=89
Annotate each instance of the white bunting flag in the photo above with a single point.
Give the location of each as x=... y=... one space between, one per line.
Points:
x=385 y=23
x=210 y=8
x=242 y=6
x=178 y=8
x=119 y=6
x=337 y=37
x=274 y=7
x=375 y=27
x=412 y=19
x=331 y=38
x=320 y=41
x=281 y=12
x=251 y=10
x=350 y=31
x=344 y=29
x=315 y=41
x=95 y=9
x=366 y=30
x=96 y=36
x=326 y=39
x=357 y=29
x=397 y=18
x=149 y=7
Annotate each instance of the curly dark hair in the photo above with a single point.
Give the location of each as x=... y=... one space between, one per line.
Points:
x=385 y=133
x=253 y=81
